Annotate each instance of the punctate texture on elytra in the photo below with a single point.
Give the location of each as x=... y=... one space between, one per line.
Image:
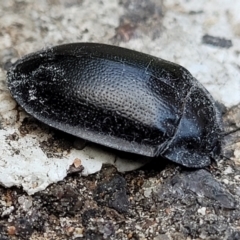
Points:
x=120 y=98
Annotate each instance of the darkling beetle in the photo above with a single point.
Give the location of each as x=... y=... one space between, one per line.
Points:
x=120 y=98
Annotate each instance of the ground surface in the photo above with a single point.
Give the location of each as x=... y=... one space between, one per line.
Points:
x=160 y=201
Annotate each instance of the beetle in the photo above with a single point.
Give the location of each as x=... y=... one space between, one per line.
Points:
x=122 y=99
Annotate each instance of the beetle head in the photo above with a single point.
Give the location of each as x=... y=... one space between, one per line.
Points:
x=197 y=139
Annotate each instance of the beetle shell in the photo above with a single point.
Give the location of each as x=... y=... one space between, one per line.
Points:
x=120 y=98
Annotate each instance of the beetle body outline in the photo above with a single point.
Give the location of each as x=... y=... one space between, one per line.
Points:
x=122 y=99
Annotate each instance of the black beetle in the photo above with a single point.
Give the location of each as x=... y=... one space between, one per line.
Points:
x=122 y=99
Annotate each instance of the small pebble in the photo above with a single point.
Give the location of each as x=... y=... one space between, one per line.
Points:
x=11 y=230
x=228 y=170
x=237 y=177
x=202 y=210
x=226 y=181
x=7 y=211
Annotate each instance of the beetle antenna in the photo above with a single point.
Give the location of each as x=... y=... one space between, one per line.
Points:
x=230 y=132
x=227 y=158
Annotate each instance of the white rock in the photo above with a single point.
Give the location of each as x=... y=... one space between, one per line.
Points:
x=202 y=210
